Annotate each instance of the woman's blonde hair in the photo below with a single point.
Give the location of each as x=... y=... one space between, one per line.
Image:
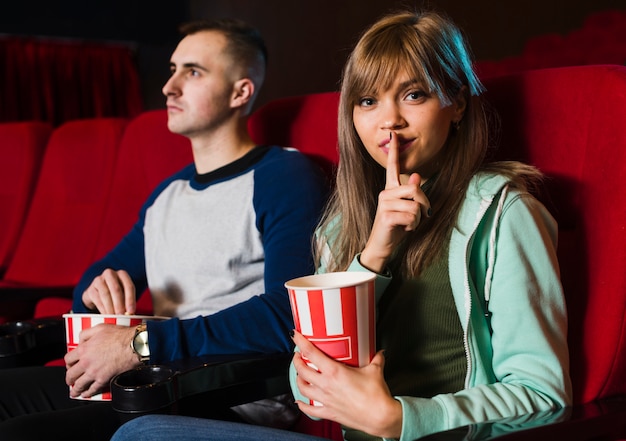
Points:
x=431 y=49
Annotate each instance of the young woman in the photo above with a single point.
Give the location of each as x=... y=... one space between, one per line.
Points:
x=471 y=315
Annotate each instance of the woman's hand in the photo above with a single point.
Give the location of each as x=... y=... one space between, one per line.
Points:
x=400 y=210
x=354 y=397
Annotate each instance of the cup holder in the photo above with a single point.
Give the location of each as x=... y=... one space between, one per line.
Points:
x=149 y=388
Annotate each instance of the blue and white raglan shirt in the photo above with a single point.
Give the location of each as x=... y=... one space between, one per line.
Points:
x=215 y=251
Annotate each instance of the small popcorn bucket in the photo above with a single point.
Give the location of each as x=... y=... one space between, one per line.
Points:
x=75 y=323
x=336 y=312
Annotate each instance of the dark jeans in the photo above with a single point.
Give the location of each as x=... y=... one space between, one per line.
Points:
x=168 y=427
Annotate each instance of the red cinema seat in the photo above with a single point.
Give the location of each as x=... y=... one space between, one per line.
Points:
x=569 y=122
x=22 y=146
x=306 y=122
x=64 y=220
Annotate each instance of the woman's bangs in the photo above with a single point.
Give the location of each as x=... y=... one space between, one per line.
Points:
x=375 y=73
x=372 y=75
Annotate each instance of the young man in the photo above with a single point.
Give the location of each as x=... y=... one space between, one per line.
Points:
x=214 y=243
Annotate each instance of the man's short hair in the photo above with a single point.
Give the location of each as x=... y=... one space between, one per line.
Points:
x=245 y=43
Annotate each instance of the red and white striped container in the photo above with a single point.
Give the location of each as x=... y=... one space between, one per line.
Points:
x=336 y=312
x=75 y=323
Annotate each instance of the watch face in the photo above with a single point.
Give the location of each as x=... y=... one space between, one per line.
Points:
x=140 y=344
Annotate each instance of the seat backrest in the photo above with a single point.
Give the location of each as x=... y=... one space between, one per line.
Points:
x=58 y=240
x=22 y=146
x=306 y=122
x=569 y=122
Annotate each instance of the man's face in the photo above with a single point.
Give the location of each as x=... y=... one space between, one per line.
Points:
x=201 y=86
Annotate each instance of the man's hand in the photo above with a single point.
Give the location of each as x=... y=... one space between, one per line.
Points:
x=112 y=292
x=104 y=351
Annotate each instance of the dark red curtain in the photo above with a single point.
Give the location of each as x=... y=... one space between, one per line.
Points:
x=56 y=81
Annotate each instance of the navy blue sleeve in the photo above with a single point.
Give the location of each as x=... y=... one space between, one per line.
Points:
x=290 y=192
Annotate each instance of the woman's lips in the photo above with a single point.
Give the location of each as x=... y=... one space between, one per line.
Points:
x=403 y=144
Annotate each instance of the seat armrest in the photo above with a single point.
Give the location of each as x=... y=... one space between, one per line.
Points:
x=200 y=385
x=598 y=420
x=31 y=342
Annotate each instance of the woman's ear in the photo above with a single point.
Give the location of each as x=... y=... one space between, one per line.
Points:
x=460 y=104
x=243 y=90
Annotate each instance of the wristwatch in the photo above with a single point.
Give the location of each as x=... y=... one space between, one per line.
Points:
x=139 y=343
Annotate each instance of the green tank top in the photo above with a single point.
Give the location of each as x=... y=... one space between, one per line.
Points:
x=420 y=330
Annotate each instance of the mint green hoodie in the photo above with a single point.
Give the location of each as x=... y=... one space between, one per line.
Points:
x=502 y=257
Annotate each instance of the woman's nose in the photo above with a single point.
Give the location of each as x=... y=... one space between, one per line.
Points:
x=391 y=118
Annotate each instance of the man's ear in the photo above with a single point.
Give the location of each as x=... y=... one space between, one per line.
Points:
x=243 y=90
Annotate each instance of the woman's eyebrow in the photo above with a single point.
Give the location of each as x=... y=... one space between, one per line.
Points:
x=408 y=83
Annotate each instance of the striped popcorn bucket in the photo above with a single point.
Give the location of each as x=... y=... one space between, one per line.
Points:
x=75 y=323
x=336 y=312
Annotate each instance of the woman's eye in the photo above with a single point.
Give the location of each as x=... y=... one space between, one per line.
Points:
x=366 y=102
x=416 y=95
